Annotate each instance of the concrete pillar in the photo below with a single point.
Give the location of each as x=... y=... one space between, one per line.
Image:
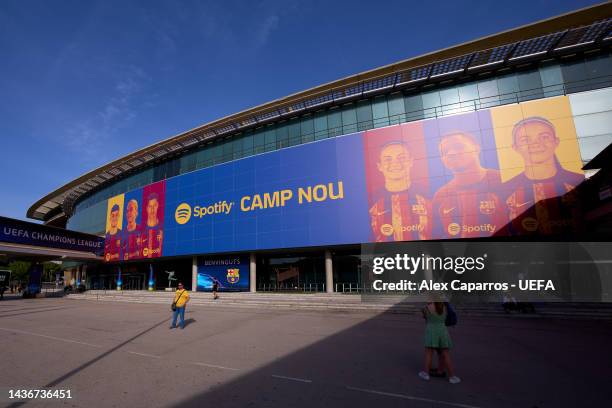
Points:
x=329 y=272
x=84 y=275
x=253 y=273
x=194 y=274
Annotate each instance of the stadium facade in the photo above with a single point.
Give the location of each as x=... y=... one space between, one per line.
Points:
x=485 y=140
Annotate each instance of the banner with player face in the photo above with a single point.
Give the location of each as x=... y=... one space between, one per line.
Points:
x=135 y=224
x=510 y=170
x=540 y=166
x=113 y=236
x=132 y=227
x=506 y=171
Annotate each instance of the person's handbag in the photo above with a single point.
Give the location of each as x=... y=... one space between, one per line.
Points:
x=173 y=307
x=451 y=315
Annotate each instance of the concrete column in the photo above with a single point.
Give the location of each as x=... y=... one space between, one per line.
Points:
x=194 y=274
x=253 y=273
x=84 y=275
x=329 y=272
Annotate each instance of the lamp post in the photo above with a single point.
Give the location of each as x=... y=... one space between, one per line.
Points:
x=151 y=281
x=119 y=281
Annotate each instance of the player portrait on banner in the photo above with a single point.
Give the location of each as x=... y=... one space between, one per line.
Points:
x=132 y=239
x=114 y=217
x=398 y=206
x=468 y=206
x=541 y=194
x=153 y=225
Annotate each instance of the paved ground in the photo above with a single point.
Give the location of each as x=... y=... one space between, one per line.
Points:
x=117 y=354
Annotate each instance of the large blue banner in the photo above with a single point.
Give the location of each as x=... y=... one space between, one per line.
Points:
x=511 y=170
x=302 y=196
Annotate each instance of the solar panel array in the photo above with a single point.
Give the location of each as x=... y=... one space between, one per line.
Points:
x=379 y=84
x=344 y=93
x=413 y=75
x=261 y=117
x=535 y=46
x=319 y=100
x=583 y=35
x=451 y=65
x=491 y=56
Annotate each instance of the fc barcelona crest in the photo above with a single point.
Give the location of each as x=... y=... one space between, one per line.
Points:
x=419 y=209
x=233 y=275
x=487 y=207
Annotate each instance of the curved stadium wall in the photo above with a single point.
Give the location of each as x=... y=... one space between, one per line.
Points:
x=541 y=80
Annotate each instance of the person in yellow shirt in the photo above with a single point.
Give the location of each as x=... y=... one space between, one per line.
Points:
x=181 y=297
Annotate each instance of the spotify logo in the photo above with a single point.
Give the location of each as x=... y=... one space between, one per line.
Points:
x=453 y=228
x=182 y=213
x=530 y=224
x=386 y=229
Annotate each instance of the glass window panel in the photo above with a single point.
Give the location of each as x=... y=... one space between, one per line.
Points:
x=468 y=97
x=270 y=139
x=380 y=112
x=508 y=88
x=282 y=136
x=247 y=144
x=200 y=159
x=349 y=119
x=530 y=85
x=364 y=115
x=397 y=109
x=237 y=146
x=307 y=128
x=334 y=121
x=295 y=137
x=488 y=93
x=468 y=92
x=599 y=71
x=217 y=152
x=259 y=141
x=575 y=76
x=449 y=99
x=320 y=125
x=431 y=104
x=552 y=80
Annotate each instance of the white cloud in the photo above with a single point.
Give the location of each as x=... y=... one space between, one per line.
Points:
x=264 y=31
x=94 y=136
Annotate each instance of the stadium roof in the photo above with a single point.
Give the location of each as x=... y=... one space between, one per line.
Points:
x=587 y=28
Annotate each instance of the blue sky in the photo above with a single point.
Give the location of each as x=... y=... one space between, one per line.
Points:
x=86 y=82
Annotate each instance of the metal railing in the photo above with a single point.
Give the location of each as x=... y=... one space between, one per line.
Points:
x=301 y=287
x=354 y=287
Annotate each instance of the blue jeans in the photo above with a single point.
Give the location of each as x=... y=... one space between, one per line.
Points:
x=180 y=311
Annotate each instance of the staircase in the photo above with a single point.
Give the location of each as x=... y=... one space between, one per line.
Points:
x=345 y=303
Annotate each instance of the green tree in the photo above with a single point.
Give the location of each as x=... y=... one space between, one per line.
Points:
x=20 y=270
x=50 y=269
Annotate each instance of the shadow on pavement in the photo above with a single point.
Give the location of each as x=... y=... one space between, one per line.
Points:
x=83 y=366
x=503 y=363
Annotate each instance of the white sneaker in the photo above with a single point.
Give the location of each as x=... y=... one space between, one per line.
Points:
x=424 y=375
x=454 y=380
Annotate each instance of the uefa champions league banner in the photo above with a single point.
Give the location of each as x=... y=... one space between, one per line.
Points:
x=507 y=171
